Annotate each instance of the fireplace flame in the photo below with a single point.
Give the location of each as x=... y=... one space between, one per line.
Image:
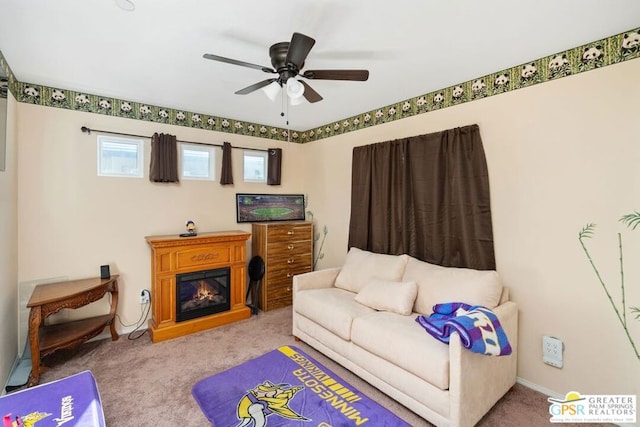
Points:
x=204 y=292
x=202 y=296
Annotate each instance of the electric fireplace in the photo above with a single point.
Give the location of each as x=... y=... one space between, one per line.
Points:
x=172 y=255
x=202 y=293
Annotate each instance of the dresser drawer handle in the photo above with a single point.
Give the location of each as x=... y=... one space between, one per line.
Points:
x=290 y=247
x=288 y=289
x=290 y=261
x=289 y=275
x=290 y=232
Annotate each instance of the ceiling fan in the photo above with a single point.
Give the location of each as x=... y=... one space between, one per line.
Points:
x=287 y=59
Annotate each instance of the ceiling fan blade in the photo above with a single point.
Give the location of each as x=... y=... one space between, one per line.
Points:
x=357 y=75
x=299 y=48
x=255 y=86
x=236 y=62
x=310 y=94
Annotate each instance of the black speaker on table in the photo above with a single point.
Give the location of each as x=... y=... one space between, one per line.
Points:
x=104 y=272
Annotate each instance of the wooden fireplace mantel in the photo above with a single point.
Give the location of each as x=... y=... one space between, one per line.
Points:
x=171 y=255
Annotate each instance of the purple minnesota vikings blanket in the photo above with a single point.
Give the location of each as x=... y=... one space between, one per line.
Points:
x=479 y=328
x=71 y=401
x=286 y=387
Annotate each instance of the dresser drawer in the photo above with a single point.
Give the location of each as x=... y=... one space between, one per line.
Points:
x=277 y=295
x=281 y=274
x=289 y=259
x=277 y=291
x=284 y=249
x=289 y=232
x=275 y=303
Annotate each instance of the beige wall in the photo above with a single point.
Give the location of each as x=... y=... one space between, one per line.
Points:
x=3 y=130
x=8 y=248
x=72 y=221
x=560 y=155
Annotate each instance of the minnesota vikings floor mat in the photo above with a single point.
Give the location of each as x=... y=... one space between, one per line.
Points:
x=286 y=387
x=70 y=401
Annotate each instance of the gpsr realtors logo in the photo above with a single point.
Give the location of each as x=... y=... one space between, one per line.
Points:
x=576 y=408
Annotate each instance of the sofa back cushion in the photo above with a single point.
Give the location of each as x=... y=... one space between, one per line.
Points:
x=437 y=285
x=361 y=266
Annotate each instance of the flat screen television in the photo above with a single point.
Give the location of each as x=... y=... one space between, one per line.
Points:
x=269 y=207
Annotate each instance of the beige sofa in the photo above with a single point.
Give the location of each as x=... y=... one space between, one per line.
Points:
x=362 y=315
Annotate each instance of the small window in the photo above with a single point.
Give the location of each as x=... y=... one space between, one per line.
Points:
x=255 y=166
x=198 y=162
x=119 y=156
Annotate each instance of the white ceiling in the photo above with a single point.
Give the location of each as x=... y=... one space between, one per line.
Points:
x=153 y=55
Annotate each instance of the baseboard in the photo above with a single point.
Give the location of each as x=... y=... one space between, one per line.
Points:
x=121 y=333
x=539 y=388
x=4 y=387
x=553 y=394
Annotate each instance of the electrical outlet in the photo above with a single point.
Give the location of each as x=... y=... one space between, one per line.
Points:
x=145 y=297
x=552 y=351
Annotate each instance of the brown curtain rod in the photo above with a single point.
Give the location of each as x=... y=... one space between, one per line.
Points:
x=88 y=131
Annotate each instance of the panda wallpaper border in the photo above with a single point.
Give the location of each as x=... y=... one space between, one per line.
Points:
x=12 y=82
x=612 y=50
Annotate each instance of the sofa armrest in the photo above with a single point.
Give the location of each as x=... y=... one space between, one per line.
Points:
x=504 y=296
x=315 y=279
x=477 y=381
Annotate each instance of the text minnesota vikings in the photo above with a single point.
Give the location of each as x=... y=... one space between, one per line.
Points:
x=328 y=389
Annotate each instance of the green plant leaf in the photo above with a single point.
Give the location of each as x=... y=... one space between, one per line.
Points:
x=587 y=231
x=636 y=310
x=631 y=220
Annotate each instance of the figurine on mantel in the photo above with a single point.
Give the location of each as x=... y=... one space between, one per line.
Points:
x=191 y=229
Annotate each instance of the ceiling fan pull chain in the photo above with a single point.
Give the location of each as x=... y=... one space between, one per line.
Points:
x=282 y=98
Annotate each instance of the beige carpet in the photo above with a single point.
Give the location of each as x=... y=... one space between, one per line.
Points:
x=146 y=384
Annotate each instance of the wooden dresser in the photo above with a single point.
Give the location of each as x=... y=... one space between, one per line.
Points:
x=287 y=250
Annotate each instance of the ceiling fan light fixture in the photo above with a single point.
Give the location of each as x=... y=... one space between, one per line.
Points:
x=295 y=89
x=126 y=5
x=272 y=90
x=296 y=101
x=287 y=61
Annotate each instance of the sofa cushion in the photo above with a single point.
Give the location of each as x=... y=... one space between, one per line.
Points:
x=437 y=285
x=361 y=266
x=402 y=341
x=397 y=297
x=333 y=309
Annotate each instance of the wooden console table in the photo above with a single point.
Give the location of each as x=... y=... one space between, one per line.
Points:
x=50 y=298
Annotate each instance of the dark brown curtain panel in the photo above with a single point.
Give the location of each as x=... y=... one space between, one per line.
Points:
x=226 y=176
x=274 y=166
x=164 y=158
x=426 y=196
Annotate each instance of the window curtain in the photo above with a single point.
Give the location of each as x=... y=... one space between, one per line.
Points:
x=226 y=176
x=426 y=196
x=164 y=158
x=274 y=167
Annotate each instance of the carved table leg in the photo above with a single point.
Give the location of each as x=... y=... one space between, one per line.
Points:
x=114 y=307
x=35 y=318
x=114 y=333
